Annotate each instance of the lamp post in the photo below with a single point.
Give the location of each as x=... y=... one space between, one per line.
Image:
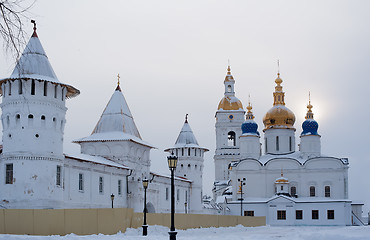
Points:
x=186 y=207
x=112 y=198
x=242 y=182
x=145 y=226
x=172 y=163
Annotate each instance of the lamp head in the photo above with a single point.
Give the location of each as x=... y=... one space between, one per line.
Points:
x=145 y=183
x=172 y=161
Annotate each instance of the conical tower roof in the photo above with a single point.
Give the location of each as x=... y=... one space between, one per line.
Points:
x=116 y=123
x=34 y=64
x=186 y=138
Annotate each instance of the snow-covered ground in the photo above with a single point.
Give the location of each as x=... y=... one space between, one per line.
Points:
x=235 y=233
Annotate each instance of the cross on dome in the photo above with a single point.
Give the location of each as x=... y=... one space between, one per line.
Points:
x=118 y=88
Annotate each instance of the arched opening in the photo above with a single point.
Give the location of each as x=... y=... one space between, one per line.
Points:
x=150 y=207
x=231 y=139
x=17 y=119
x=229 y=89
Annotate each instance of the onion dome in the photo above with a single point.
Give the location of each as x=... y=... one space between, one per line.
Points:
x=279 y=116
x=309 y=126
x=229 y=101
x=34 y=64
x=250 y=126
x=282 y=179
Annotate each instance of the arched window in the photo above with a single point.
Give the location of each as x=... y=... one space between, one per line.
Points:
x=229 y=88
x=17 y=119
x=312 y=191
x=33 y=87
x=327 y=191
x=231 y=140
x=188 y=151
x=7 y=121
x=293 y=191
x=30 y=116
x=277 y=143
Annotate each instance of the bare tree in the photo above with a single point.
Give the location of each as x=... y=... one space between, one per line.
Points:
x=13 y=14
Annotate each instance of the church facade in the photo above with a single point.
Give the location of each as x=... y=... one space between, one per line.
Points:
x=289 y=186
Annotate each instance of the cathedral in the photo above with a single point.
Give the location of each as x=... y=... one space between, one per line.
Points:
x=288 y=186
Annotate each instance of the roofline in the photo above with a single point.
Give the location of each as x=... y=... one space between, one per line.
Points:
x=71 y=91
x=168 y=149
x=176 y=177
x=83 y=160
x=122 y=140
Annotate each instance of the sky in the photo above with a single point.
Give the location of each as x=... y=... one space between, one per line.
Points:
x=172 y=57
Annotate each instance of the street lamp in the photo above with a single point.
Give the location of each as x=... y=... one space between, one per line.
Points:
x=112 y=198
x=186 y=207
x=145 y=226
x=242 y=182
x=172 y=163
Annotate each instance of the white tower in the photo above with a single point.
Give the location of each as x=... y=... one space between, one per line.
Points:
x=310 y=139
x=117 y=138
x=250 y=146
x=33 y=119
x=190 y=165
x=229 y=118
x=279 y=121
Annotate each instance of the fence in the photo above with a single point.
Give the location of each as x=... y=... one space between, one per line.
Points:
x=105 y=220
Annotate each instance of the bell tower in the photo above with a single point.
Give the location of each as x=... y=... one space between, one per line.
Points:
x=229 y=118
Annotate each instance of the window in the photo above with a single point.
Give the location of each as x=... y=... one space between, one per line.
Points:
x=33 y=87
x=30 y=116
x=9 y=173
x=17 y=118
x=59 y=175
x=182 y=152
x=281 y=215
x=20 y=87
x=167 y=194
x=249 y=213
x=290 y=144
x=195 y=152
x=315 y=214
x=330 y=214
x=186 y=196
x=178 y=195
x=327 y=191
x=312 y=191
x=293 y=191
x=62 y=94
x=42 y=117
x=101 y=185
x=177 y=152
x=188 y=151
x=229 y=88
x=80 y=182
x=231 y=140
x=281 y=188
x=10 y=88
x=45 y=88
x=277 y=143
x=265 y=145
x=299 y=214
x=119 y=187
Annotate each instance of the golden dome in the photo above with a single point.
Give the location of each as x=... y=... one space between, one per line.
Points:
x=229 y=77
x=279 y=116
x=281 y=179
x=230 y=103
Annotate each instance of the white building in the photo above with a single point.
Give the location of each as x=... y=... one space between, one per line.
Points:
x=114 y=159
x=289 y=187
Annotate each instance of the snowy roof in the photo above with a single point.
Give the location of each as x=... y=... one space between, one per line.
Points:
x=186 y=138
x=116 y=123
x=34 y=64
x=95 y=159
x=293 y=199
x=168 y=176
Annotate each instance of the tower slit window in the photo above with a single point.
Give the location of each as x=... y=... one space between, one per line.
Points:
x=188 y=151
x=45 y=88
x=265 y=145
x=290 y=144
x=17 y=119
x=182 y=152
x=277 y=143
x=10 y=88
x=20 y=87
x=56 y=91
x=231 y=140
x=167 y=194
x=33 y=87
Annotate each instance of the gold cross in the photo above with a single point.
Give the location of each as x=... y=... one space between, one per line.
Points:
x=118 y=79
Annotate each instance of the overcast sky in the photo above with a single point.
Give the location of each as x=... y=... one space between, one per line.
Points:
x=172 y=57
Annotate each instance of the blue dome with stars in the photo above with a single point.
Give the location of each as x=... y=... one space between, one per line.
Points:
x=250 y=126
x=310 y=127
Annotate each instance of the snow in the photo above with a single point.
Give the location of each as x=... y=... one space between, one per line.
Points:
x=95 y=159
x=238 y=232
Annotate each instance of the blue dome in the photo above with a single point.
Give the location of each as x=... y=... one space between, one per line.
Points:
x=250 y=126
x=310 y=127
